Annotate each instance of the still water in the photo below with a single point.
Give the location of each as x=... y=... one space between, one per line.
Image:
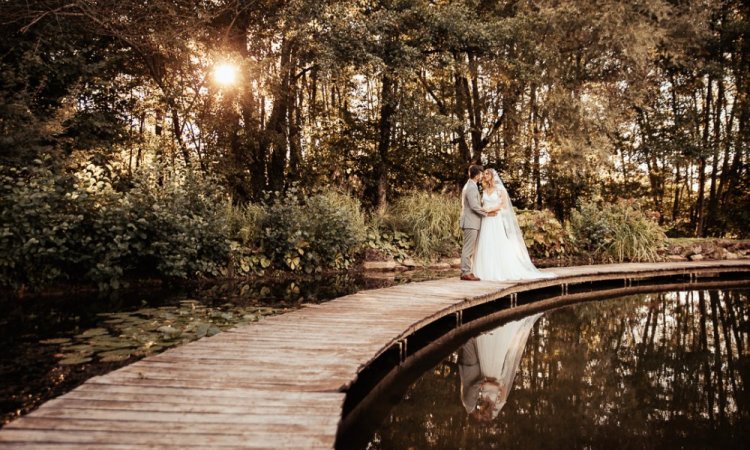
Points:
x=667 y=370
x=51 y=345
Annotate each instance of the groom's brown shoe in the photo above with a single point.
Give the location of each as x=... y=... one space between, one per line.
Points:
x=469 y=277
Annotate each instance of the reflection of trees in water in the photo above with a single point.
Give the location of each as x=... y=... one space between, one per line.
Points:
x=661 y=370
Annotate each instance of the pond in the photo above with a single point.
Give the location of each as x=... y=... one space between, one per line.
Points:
x=666 y=370
x=50 y=345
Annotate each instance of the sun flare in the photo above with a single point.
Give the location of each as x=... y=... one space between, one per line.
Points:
x=225 y=74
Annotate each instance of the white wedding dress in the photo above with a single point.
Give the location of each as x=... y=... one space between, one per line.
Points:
x=501 y=253
x=493 y=355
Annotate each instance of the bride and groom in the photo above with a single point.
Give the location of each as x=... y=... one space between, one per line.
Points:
x=494 y=248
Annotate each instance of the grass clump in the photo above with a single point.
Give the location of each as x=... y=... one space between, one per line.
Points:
x=620 y=231
x=432 y=222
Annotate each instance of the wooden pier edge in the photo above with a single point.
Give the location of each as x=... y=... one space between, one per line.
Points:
x=283 y=382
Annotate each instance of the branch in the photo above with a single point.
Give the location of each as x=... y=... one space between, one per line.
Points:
x=304 y=71
x=495 y=126
x=56 y=11
x=428 y=88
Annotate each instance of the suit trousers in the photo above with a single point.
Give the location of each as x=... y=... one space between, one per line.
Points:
x=467 y=253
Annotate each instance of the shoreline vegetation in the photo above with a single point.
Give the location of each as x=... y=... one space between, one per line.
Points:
x=92 y=228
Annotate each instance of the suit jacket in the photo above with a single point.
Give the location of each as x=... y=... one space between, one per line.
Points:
x=471 y=206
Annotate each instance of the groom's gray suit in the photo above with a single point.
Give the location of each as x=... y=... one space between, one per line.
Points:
x=471 y=222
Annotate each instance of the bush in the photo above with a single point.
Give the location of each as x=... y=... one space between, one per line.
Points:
x=543 y=233
x=37 y=223
x=244 y=222
x=619 y=231
x=431 y=220
x=56 y=227
x=324 y=230
x=184 y=224
x=336 y=227
x=387 y=241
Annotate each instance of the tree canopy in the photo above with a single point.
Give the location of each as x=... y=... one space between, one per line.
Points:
x=568 y=99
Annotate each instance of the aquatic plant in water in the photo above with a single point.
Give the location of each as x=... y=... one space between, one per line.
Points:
x=150 y=330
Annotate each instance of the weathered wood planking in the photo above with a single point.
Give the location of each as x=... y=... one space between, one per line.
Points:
x=275 y=384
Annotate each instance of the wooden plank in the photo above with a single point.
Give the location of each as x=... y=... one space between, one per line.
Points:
x=216 y=439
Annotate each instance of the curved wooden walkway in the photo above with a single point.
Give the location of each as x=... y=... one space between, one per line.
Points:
x=282 y=382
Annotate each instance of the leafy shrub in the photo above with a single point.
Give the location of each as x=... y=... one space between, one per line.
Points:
x=245 y=233
x=336 y=227
x=183 y=221
x=431 y=220
x=392 y=243
x=543 y=233
x=57 y=227
x=324 y=230
x=36 y=224
x=619 y=231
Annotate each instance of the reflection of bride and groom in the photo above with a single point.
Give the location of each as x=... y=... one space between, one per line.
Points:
x=493 y=248
x=487 y=365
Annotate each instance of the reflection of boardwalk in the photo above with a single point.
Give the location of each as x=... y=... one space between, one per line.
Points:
x=280 y=383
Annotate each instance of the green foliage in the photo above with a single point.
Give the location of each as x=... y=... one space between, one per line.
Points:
x=245 y=232
x=183 y=222
x=620 y=231
x=309 y=233
x=243 y=222
x=431 y=220
x=383 y=238
x=56 y=227
x=38 y=224
x=543 y=233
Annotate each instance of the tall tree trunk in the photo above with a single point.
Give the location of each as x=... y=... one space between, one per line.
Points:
x=537 y=170
x=700 y=207
x=295 y=138
x=677 y=189
x=712 y=199
x=177 y=133
x=460 y=107
x=278 y=126
x=388 y=104
x=728 y=145
x=475 y=110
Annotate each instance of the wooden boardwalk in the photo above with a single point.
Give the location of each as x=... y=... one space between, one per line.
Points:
x=281 y=383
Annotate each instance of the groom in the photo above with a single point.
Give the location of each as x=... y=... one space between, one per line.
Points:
x=471 y=220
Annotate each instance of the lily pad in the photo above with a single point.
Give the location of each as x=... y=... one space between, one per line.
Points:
x=70 y=360
x=114 y=355
x=201 y=329
x=79 y=348
x=55 y=341
x=114 y=321
x=169 y=332
x=93 y=332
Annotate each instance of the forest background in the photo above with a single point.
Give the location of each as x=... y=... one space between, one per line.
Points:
x=182 y=138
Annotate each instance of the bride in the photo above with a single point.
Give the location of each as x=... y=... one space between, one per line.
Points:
x=487 y=366
x=501 y=251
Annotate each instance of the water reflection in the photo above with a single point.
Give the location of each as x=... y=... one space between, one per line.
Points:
x=654 y=371
x=487 y=365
